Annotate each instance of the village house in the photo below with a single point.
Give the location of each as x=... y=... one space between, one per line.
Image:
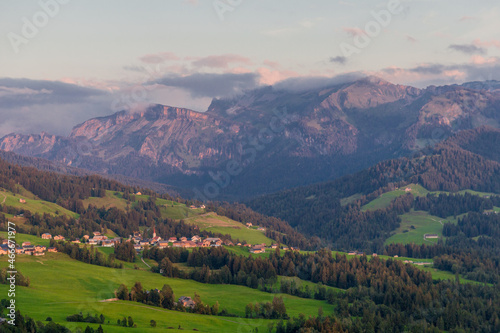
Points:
x=195 y=238
x=260 y=248
x=186 y=302
x=137 y=247
x=183 y=239
x=184 y=244
x=25 y=244
x=30 y=249
x=96 y=233
x=138 y=193
x=51 y=249
x=162 y=244
x=58 y=237
x=3 y=251
x=213 y=241
x=202 y=207
x=77 y=241
x=92 y=241
x=46 y=236
x=22 y=200
x=5 y=241
x=407 y=189
x=227 y=242
x=274 y=246
x=144 y=242
x=172 y=239
x=108 y=243
x=248 y=224
x=352 y=253
x=40 y=248
x=86 y=237
x=374 y=255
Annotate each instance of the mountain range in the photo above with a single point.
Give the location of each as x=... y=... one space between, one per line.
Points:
x=269 y=139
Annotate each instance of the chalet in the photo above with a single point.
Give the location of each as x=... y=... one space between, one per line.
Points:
x=137 y=247
x=29 y=249
x=3 y=251
x=284 y=248
x=40 y=248
x=374 y=255
x=51 y=249
x=19 y=250
x=202 y=207
x=195 y=238
x=46 y=236
x=248 y=224
x=247 y=245
x=37 y=254
x=352 y=253
x=92 y=241
x=138 y=193
x=257 y=249
x=396 y=256
x=22 y=200
x=183 y=239
x=96 y=233
x=192 y=207
x=360 y=254
x=5 y=241
x=86 y=237
x=431 y=236
x=238 y=244
x=213 y=241
x=58 y=237
x=184 y=244
x=408 y=189
x=227 y=242
x=136 y=239
x=108 y=243
x=25 y=244
x=186 y=302
x=172 y=239
x=100 y=237
x=274 y=246
x=144 y=242
x=76 y=241
x=162 y=244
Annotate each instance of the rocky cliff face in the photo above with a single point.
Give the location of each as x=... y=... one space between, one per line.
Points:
x=272 y=139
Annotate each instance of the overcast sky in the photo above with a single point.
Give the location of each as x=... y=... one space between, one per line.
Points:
x=63 y=62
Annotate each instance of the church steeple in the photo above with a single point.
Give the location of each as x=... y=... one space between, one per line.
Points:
x=154 y=232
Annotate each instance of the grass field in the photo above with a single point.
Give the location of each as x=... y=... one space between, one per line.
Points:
x=423 y=224
x=224 y=225
x=61 y=286
x=20 y=238
x=385 y=199
x=33 y=204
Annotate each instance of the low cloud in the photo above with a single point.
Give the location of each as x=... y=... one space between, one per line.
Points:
x=339 y=60
x=32 y=106
x=467 y=48
x=299 y=84
x=221 y=61
x=211 y=84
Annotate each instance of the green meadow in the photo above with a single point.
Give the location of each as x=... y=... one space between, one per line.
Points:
x=61 y=286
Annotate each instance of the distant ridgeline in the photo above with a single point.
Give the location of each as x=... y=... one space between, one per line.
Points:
x=321 y=209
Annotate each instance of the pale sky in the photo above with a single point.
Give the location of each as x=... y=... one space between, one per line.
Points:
x=86 y=58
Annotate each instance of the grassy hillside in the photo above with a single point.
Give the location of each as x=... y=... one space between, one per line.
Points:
x=61 y=286
x=224 y=225
x=33 y=204
x=413 y=227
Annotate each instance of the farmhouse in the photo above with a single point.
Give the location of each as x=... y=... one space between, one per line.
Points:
x=25 y=244
x=172 y=239
x=258 y=248
x=22 y=200
x=430 y=236
x=92 y=241
x=196 y=238
x=108 y=243
x=40 y=248
x=137 y=247
x=46 y=236
x=184 y=244
x=51 y=249
x=183 y=239
x=248 y=224
x=58 y=237
x=186 y=302
x=138 y=193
